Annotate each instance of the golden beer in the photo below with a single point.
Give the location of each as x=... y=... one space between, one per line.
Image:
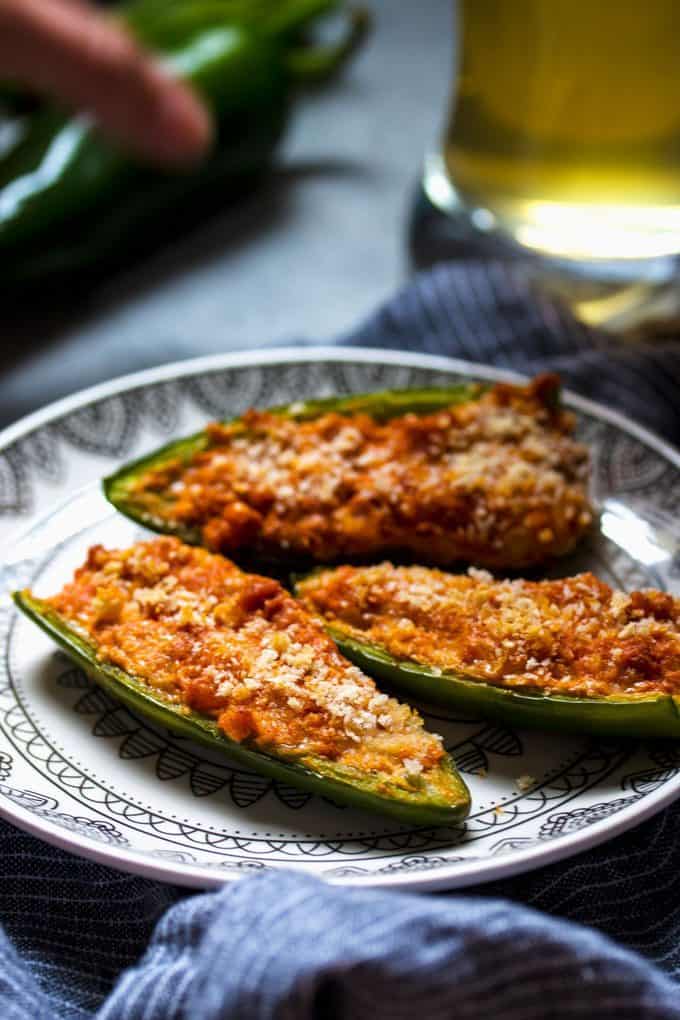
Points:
x=565 y=124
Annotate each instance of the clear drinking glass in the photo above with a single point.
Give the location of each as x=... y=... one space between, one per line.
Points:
x=563 y=138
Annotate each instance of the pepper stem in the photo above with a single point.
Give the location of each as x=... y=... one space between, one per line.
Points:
x=317 y=63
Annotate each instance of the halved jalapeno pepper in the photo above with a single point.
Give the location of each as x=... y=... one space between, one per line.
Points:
x=435 y=796
x=568 y=655
x=489 y=475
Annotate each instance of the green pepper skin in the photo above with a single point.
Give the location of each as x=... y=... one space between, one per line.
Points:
x=385 y=404
x=422 y=805
x=139 y=221
x=640 y=716
x=382 y=406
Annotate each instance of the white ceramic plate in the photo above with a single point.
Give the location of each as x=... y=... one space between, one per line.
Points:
x=84 y=773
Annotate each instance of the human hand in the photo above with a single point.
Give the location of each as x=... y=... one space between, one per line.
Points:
x=70 y=51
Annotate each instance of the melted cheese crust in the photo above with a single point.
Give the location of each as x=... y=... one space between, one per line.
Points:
x=495 y=481
x=238 y=648
x=571 y=636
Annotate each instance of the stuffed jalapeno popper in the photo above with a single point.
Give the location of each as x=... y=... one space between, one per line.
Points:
x=570 y=654
x=233 y=661
x=489 y=475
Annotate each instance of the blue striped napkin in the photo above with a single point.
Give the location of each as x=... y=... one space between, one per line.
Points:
x=81 y=941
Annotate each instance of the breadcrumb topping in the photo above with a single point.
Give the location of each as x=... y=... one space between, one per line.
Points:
x=572 y=636
x=497 y=480
x=524 y=783
x=239 y=648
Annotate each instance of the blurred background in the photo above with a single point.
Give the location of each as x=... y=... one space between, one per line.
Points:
x=310 y=252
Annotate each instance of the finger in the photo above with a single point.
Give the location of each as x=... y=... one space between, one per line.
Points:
x=71 y=52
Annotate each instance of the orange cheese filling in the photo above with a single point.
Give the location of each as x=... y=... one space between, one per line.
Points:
x=238 y=648
x=498 y=480
x=571 y=636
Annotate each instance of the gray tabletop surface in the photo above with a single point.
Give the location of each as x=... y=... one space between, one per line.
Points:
x=319 y=246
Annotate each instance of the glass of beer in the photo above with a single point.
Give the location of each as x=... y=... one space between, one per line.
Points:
x=564 y=133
